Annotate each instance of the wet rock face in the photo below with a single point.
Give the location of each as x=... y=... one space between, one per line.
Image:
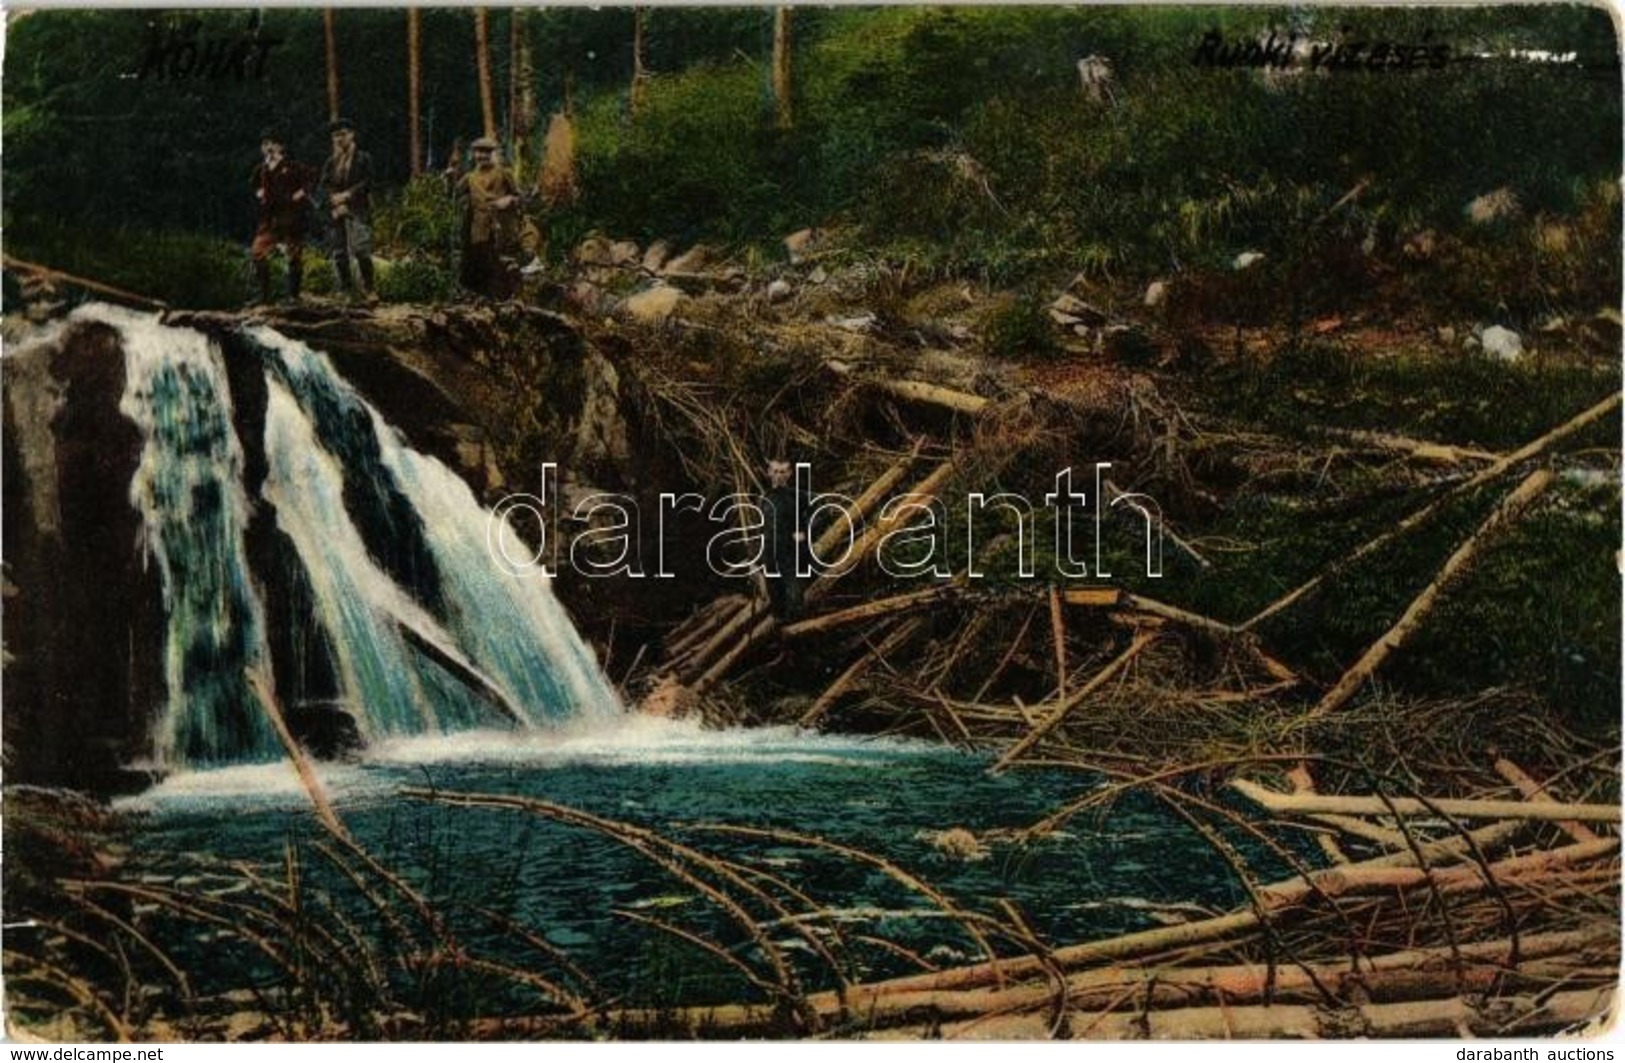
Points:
x=491 y=391
x=84 y=615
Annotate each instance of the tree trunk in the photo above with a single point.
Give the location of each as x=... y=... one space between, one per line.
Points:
x=521 y=91
x=482 y=59
x=1362 y=670
x=1494 y=471
x=332 y=65
x=640 y=70
x=781 y=66
x=414 y=87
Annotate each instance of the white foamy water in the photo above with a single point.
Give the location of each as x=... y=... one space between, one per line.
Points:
x=254 y=787
x=630 y=742
x=642 y=740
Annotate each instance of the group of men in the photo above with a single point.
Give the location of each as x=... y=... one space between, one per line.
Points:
x=289 y=193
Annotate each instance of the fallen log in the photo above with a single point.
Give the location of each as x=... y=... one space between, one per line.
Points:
x=741 y=620
x=864 y=504
x=264 y=688
x=1493 y=471
x=1390 y=977
x=1093 y=597
x=1177 y=615
x=761 y=630
x=1057 y=627
x=1066 y=705
x=1304 y=783
x=866 y=543
x=119 y=295
x=1459 y=808
x=1167 y=532
x=896 y=639
x=1107 y=598
x=1277 y=901
x=747 y=608
x=1535 y=791
x=1465 y=878
x=918 y=391
x=1444 y=1017
x=1396 y=976
x=1420 y=449
x=1392 y=639
x=856 y=671
x=702 y=623
x=1393 y=839
x=872 y=610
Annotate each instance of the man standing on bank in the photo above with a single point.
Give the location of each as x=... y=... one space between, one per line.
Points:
x=491 y=221
x=282 y=188
x=346 y=180
x=787 y=544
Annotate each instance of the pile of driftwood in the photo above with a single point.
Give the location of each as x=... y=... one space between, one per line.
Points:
x=1447 y=907
x=902 y=636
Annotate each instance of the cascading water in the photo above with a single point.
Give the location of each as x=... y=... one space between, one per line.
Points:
x=499 y=620
x=426 y=633
x=188 y=491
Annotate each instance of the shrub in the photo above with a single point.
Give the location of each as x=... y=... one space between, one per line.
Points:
x=416 y=280
x=1020 y=330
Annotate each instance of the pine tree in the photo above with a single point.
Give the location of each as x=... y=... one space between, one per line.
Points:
x=332 y=64
x=781 y=66
x=414 y=87
x=482 y=58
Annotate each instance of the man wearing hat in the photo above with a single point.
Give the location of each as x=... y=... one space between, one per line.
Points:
x=282 y=189
x=490 y=224
x=346 y=177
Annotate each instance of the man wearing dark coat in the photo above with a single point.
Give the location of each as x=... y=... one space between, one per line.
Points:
x=491 y=224
x=786 y=544
x=345 y=185
x=282 y=188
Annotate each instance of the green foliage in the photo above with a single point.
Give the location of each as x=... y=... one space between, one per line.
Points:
x=1020 y=330
x=182 y=269
x=420 y=218
x=700 y=159
x=1465 y=399
x=1541 y=608
x=957 y=135
x=416 y=280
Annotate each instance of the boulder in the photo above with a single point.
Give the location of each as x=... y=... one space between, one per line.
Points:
x=1502 y=343
x=1495 y=206
x=595 y=251
x=818 y=276
x=1247 y=260
x=1156 y=293
x=586 y=297
x=779 y=291
x=1095 y=77
x=1068 y=309
x=802 y=241
x=1421 y=246
x=854 y=323
x=654 y=259
x=694 y=260
x=623 y=253
x=652 y=305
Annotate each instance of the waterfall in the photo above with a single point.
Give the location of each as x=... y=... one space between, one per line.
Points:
x=188 y=490
x=427 y=634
